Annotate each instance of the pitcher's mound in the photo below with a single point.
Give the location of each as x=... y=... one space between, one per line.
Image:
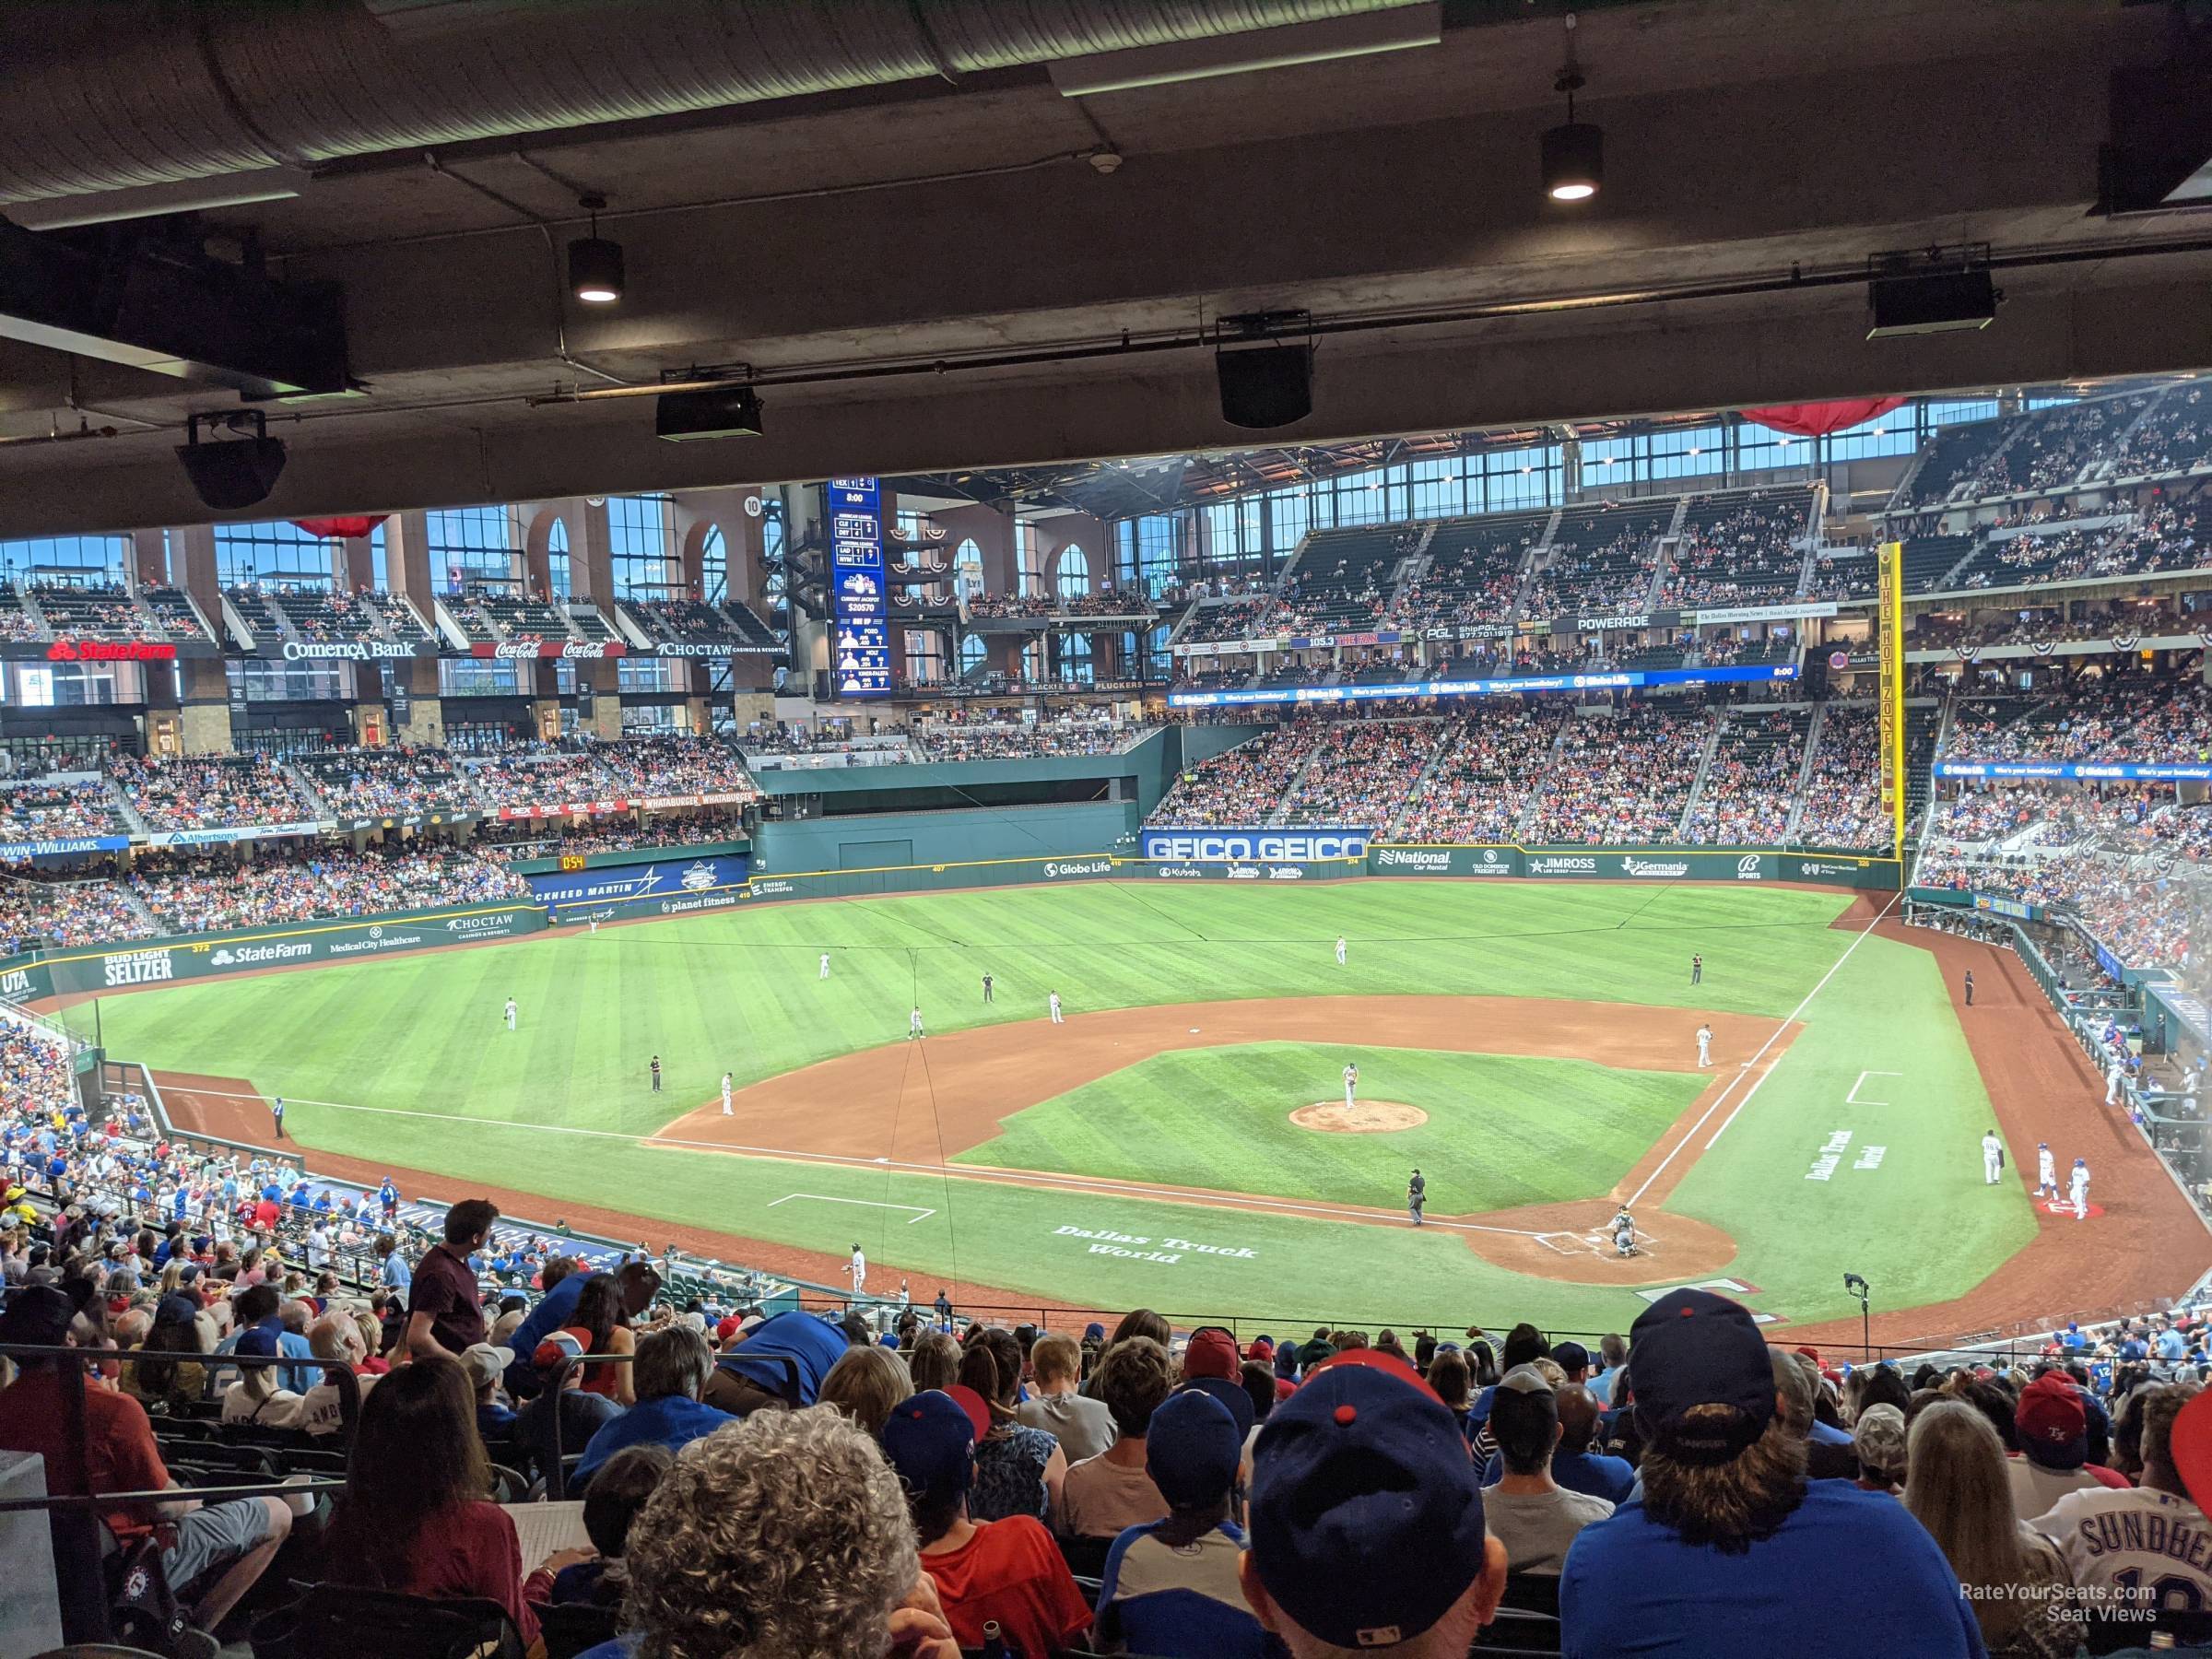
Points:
x=1368 y=1117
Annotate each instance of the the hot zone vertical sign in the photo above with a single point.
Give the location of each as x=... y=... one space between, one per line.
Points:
x=1889 y=717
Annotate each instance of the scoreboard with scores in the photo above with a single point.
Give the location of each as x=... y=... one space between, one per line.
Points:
x=860 y=648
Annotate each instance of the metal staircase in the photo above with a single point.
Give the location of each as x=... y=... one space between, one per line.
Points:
x=1447 y=735
x=1804 y=774
x=1815 y=517
x=1551 y=775
x=1536 y=557
x=1697 y=786
x=125 y=810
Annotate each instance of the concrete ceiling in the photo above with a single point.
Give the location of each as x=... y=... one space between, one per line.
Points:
x=847 y=241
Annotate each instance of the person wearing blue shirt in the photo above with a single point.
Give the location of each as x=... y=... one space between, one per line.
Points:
x=395 y=1275
x=1574 y=1467
x=1171 y=1588
x=258 y=1309
x=672 y=1368
x=1730 y=1550
x=2171 y=1344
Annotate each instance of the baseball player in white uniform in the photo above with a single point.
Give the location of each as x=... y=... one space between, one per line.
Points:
x=1351 y=1085
x=1054 y=998
x=1704 y=1046
x=2046 y=1171
x=824 y=965
x=913 y=1025
x=726 y=1094
x=511 y=1013
x=1340 y=951
x=2112 y=1075
x=859 y=1266
x=1993 y=1159
x=2078 y=1188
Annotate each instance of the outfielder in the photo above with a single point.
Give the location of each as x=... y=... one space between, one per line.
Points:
x=824 y=965
x=1054 y=998
x=726 y=1094
x=913 y=1025
x=511 y=1013
x=1351 y=1085
x=1993 y=1159
x=1704 y=1046
x=2078 y=1189
x=1697 y=969
x=2046 y=1171
x=1340 y=952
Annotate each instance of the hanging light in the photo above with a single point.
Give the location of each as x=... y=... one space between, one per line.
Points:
x=594 y=262
x=1574 y=154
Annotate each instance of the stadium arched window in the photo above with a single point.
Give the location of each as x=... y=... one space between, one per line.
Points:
x=973 y=651
x=1074 y=651
x=968 y=569
x=714 y=566
x=557 y=559
x=1073 y=573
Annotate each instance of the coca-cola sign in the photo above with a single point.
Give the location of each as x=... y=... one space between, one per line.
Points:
x=588 y=650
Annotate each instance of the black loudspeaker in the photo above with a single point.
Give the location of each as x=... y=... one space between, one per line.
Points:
x=1932 y=302
x=1265 y=386
x=1814 y=683
x=235 y=473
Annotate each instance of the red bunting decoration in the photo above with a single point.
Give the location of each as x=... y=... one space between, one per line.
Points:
x=1819 y=419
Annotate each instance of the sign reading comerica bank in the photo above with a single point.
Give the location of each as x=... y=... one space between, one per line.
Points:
x=1256 y=846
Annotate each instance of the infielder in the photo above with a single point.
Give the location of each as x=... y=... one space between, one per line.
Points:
x=726 y=1094
x=986 y=987
x=2078 y=1187
x=1697 y=969
x=1704 y=1046
x=1993 y=1159
x=859 y=1264
x=1340 y=951
x=825 y=966
x=1351 y=1085
x=511 y=1013
x=2046 y=1171
x=913 y=1025
x=1054 y=998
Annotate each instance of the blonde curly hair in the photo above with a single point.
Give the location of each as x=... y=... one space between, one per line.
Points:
x=782 y=1537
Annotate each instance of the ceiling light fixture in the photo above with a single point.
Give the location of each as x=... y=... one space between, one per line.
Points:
x=1574 y=154
x=594 y=262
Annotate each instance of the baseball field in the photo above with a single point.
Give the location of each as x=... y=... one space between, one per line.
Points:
x=1180 y=1140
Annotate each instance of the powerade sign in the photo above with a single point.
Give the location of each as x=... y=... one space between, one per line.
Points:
x=860 y=644
x=1624 y=680
x=623 y=883
x=2197 y=772
x=1255 y=846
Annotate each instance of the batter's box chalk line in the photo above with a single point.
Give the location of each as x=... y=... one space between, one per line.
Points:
x=1550 y=1242
x=918 y=1213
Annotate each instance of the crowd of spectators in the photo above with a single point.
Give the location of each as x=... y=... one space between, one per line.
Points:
x=208 y=792
x=1243 y=786
x=391 y=781
x=517 y=839
x=1362 y=772
x=202 y=895
x=66 y=909
x=56 y=807
x=1751 y=780
x=2175 y=436
x=1614 y=575
x=1843 y=793
x=990 y=739
x=1622 y=778
x=648 y=767
x=2166 y=536
x=1494 y=760
x=1743 y=553
x=2118 y=719
x=102 y=609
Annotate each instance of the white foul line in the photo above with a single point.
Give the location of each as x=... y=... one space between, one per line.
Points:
x=1853 y=1097
x=920 y=1214
x=1788 y=1020
x=1027 y=1177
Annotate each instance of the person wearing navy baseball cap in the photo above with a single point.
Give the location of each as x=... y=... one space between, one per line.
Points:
x=1731 y=1550
x=1007 y=1573
x=1366 y=1518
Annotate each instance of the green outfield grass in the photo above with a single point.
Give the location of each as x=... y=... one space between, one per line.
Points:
x=407 y=1061
x=1502 y=1129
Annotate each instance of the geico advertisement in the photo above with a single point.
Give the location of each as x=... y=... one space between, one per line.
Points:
x=1256 y=846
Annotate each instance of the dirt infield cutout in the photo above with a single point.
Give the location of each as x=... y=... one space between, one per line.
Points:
x=1366 y=1117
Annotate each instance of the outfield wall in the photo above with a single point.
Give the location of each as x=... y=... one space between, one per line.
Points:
x=724 y=882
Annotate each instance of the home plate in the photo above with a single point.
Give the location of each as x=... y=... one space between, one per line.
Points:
x=1193 y=1030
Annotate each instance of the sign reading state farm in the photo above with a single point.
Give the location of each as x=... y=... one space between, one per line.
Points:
x=110 y=651
x=1256 y=845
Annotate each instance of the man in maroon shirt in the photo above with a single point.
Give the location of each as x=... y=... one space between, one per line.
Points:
x=445 y=1307
x=219 y=1548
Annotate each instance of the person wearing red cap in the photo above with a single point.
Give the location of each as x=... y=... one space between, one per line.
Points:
x=2153 y=1543
x=1731 y=1550
x=2051 y=1427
